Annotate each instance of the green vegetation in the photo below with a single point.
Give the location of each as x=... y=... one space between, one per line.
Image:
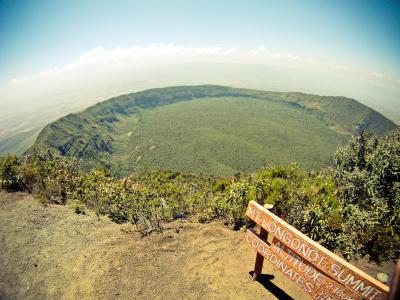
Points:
x=11 y=173
x=368 y=170
x=210 y=130
x=352 y=208
x=222 y=136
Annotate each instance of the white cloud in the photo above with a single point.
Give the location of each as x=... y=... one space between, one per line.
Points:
x=374 y=74
x=156 y=54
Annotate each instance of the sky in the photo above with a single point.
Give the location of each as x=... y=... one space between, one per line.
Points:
x=83 y=51
x=41 y=34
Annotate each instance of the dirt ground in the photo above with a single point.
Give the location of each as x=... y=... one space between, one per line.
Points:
x=51 y=252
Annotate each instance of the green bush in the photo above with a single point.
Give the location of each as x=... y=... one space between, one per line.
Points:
x=367 y=173
x=54 y=177
x=11 y=178
x=79 y=207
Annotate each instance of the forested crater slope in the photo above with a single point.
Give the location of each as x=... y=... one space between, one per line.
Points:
x=210 y=129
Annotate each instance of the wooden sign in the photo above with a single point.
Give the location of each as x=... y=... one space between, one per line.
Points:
x=321 y=273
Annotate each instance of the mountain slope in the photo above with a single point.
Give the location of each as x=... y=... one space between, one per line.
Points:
x=210 y=129
x=20 y=142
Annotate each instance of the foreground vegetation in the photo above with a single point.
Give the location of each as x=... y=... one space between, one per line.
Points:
x=209 y=129
x=352 y=208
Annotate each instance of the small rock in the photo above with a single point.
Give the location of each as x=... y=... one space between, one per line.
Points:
x=383 y=277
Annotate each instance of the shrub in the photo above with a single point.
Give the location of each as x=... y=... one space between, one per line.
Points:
x=11 y=178
x=367 y=173
x=55 y=176
x=79 y=207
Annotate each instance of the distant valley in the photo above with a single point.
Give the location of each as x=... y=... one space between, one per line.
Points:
x=210 y=129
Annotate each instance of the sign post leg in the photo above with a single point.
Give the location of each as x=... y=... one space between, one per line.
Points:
x=395 y=286
x=259 y=258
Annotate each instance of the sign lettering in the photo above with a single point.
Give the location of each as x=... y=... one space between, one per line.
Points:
x=318 y=271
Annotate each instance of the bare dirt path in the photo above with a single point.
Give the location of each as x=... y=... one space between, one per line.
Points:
x=51 y=252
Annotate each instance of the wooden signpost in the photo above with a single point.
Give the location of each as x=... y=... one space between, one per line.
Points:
x=321 y=273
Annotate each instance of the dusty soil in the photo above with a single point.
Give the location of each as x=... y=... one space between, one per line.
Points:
x=51 y=252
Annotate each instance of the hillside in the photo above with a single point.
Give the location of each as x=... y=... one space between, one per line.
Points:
x=20 y=142
x=210 y=129
x=51 y=252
